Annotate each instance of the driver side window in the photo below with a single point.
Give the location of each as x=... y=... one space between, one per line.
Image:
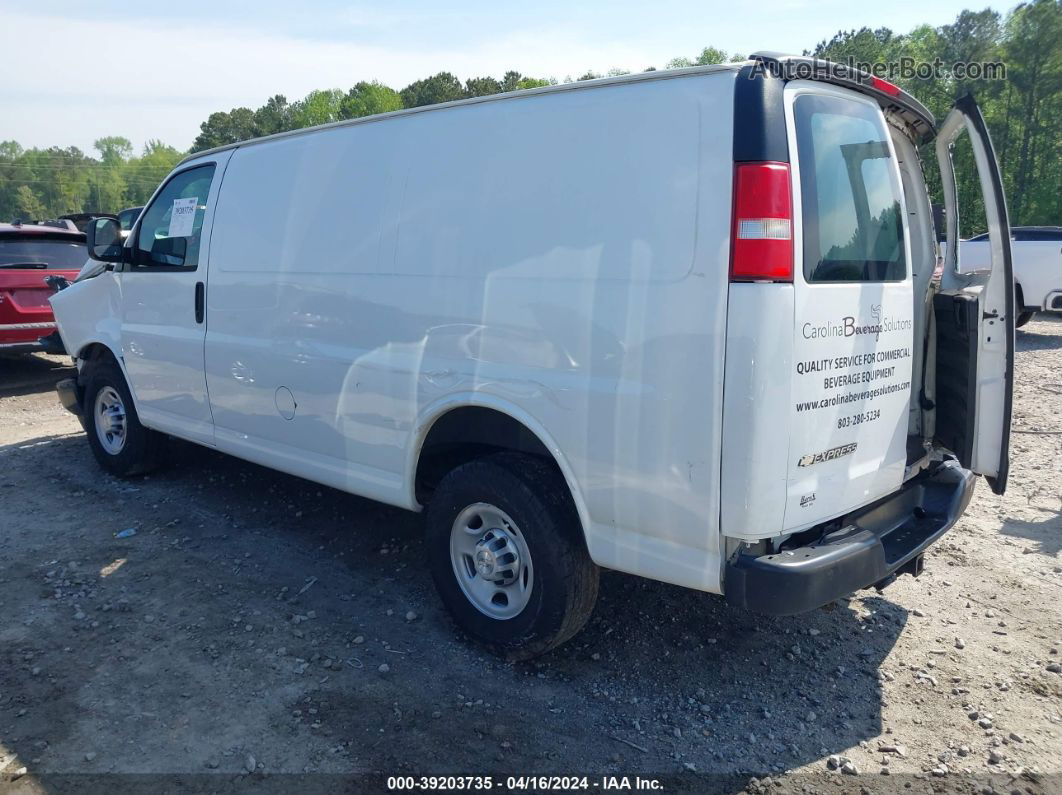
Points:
x=170 y=228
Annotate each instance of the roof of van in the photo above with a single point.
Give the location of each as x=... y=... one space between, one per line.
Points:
x=662 y=74
x=888 y=95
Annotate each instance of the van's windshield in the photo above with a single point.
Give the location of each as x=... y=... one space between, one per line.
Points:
x=849 y=192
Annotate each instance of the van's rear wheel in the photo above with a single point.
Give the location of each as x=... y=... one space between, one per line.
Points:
x=1023 y=318
x=119 y=442
x=507 y=555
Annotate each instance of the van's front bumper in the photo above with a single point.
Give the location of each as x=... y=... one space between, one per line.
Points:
x=872 y=544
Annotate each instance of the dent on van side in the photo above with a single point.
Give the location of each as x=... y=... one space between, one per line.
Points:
x=680 y=324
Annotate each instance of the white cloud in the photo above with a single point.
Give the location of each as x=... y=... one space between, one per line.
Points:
x=153 y=80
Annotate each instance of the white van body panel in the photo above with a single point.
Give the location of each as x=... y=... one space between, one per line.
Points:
x=757 y=404
x=90 y=312
x=162 y=343
x=404 y=268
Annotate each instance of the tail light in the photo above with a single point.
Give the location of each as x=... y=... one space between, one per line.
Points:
x=884 y=86
x=762 y=237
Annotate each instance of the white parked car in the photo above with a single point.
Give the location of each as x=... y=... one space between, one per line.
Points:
x=1037 y=267
x=680 y=324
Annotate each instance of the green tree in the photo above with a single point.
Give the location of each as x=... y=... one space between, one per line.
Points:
x=317 y=107
x=533 y=82
x=113 y=149
x=1032 y=50
x=223 y=128
x=62 y=178
x=10 y=151
x=482 y=87
x=974 y=36
x=273 y=117
x=441 y=87
x=28 y=205
x=143 y=174
x=709 y=55
x=108 y=184
x=1024 y=111
x=511 y=80
x=367 y=99
x=514 y=81
x=863 y=45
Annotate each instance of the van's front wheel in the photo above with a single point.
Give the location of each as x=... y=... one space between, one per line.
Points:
x=507 y=555
x=119 y=442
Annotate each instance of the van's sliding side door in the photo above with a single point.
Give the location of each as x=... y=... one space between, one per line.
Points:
x=975 y=315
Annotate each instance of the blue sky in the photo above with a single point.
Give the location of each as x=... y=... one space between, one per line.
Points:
x=77 y=71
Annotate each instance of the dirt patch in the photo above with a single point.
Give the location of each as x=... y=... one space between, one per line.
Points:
x=258 y=621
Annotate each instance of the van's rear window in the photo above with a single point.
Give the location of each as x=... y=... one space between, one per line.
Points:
x=849 y=192
x=44 y=253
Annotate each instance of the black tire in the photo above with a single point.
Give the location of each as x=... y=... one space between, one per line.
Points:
x=564 y=588
x=1023 y=318
x=142 y=449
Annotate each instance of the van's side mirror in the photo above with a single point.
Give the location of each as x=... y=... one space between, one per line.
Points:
x=104 y=239
x=169 y=250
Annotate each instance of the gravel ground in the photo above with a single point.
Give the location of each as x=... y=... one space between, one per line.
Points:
x=261 y=630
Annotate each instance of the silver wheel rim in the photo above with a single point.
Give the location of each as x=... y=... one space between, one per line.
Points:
x=110 y=419
x=491 y=561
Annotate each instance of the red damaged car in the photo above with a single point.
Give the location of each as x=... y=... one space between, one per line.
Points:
x=29 y=256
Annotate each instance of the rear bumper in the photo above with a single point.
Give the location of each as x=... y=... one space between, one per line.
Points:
x=52 y=343
x=1053 y=302
x=24 y=334
x=20 y=347
x=69 y=395
x=872 y=544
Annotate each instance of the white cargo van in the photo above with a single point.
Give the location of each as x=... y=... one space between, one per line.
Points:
x=679 y=324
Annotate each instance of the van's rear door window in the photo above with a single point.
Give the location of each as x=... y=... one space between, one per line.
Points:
x=38 y=252
x=850 y=192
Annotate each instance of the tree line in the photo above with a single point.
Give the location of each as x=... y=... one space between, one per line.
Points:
x=1023 y=111
x=44 y=183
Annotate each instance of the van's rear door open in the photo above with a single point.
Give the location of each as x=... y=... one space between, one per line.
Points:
x=974 y=314
x=853 y=331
